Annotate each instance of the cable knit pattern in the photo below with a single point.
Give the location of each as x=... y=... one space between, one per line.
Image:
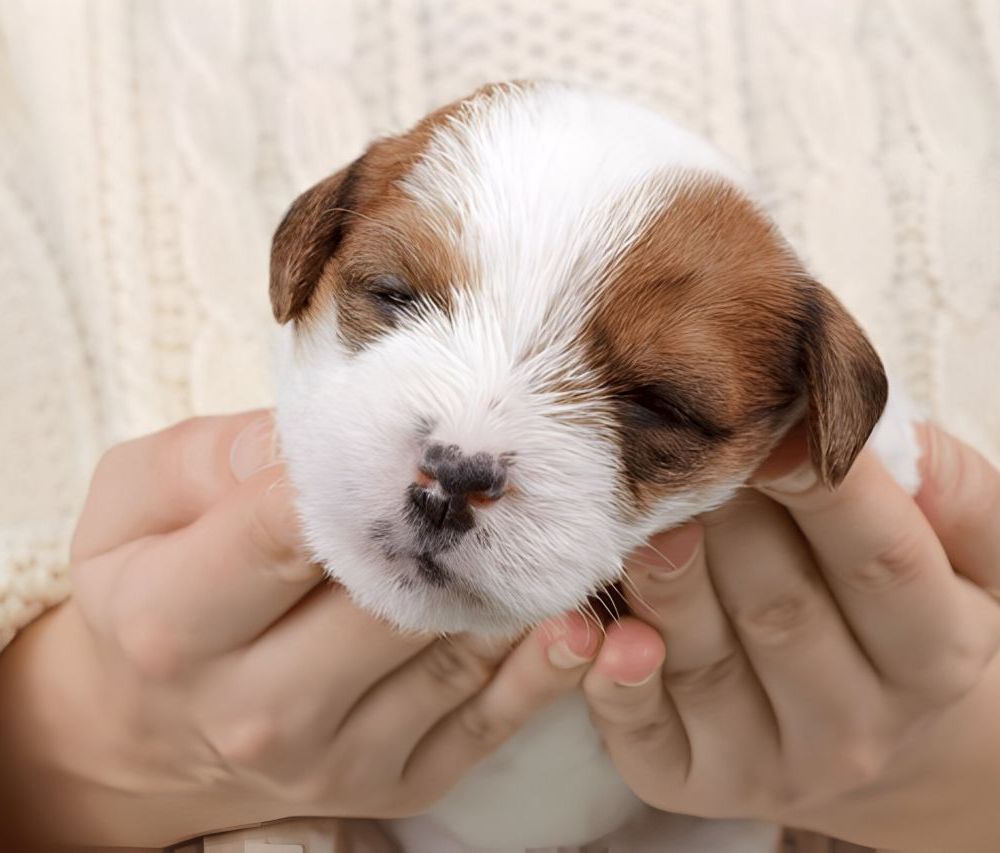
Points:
x=148 y=150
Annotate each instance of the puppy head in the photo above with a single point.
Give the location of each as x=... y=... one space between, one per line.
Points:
x=528 y=333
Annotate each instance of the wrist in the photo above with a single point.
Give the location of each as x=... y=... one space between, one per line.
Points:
x=51 y=730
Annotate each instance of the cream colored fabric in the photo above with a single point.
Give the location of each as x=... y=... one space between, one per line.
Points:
x=147 y=150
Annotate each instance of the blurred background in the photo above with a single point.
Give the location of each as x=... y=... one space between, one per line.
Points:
x=148 y=150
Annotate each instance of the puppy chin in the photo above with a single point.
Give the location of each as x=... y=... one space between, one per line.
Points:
x=417 y=606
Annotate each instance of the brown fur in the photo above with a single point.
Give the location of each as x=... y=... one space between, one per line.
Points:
x=357 y=225
x=707 y=332
x=712 y=322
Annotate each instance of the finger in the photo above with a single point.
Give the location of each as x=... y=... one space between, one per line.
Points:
x=630 y=708
x=919 y=625
x=400 y=710
x=669 y=588
x=800 y=648
x=208 y=588
x=706 y=674
x=329 y=640
x=451 y=670
x=304 y=675
x=960 y=496
x=164 y=481
x=528 y=680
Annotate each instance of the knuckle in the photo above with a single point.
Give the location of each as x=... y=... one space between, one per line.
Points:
x=850 y=767
x=858 y=765
x=304 y=791
x=896 y=564
x=150 y=647
x=318 y=785
x=482 y=729
x=705 y=678
x=628 y=714
x=794 y=793
x=455 y=670
x=646 y=733
x=965 y=670
x=749 y=783
x=953 y=672
x=779 y=620
x=613 y=704
x=373 y=780
x=247 y=742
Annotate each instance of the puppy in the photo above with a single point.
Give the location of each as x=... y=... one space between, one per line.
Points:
x=518 y=340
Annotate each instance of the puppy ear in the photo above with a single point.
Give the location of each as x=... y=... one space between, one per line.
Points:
x=846 y=386
x=305 y=240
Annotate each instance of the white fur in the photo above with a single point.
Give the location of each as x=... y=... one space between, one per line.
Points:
x=894 y=439
x=547 y=189
x=539 y=189
x=556 y=751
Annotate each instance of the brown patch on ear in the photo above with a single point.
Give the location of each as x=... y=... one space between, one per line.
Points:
x=709 y=336
x=305 y=240
x=846 y=386
x=697 y=342
x=366 y=199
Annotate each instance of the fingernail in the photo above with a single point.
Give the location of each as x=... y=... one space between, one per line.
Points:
x=254 y=448
x=938 y=455
x=800 y=480
x=562 y=657
x=668 y=554
x=645 y=680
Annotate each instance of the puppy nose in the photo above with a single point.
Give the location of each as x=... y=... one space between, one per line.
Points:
x=449 y=483
x=479 y=478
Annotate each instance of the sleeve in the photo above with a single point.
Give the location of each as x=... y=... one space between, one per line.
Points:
x=802 y=841
x=47 y=413
x=329 y=835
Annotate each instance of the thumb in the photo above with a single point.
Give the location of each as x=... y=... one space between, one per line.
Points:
x=960 y=497
x=164 y=481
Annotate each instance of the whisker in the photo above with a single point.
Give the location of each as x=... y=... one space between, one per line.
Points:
x=642 y=564
x=613 y=614
x=595 y=617
x=588 y=620
x=628 y=582
x=600 y=626
x=661 y=555
x=613 y=597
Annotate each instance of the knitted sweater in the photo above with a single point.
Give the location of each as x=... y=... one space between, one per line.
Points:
x=148 y=149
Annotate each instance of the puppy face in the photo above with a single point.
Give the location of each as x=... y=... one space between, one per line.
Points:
x=530 y=332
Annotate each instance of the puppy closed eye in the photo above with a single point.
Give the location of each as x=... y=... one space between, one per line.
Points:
x=658 y=406
x=392 y=295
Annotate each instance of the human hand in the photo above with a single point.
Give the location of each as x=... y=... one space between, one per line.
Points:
x=827 y=660
x=202 y=675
